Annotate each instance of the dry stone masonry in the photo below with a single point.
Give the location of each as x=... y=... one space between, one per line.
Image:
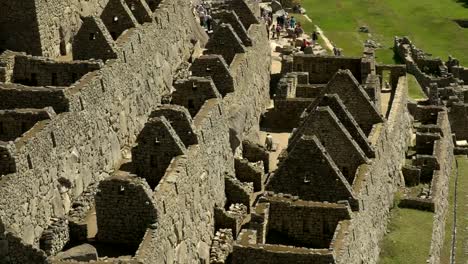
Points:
x=129 y=134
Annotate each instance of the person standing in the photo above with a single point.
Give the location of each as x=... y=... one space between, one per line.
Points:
x=201 y=14
x=292 y=22
x=278 y=31
x=314 y=38
x=209 y=22
x=268 y=30
x=269 y=142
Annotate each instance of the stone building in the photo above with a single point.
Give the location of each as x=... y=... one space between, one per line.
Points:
x=130 y=135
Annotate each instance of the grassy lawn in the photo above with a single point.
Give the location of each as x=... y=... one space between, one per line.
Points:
x=409 y=237
x=427 y=22
x=414 y=89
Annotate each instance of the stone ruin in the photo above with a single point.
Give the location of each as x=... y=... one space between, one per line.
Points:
x=129 y=135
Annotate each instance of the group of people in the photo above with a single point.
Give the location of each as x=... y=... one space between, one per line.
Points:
x=204 y=13
x=284 y=22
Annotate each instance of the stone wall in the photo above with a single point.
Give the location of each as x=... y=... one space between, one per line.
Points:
x=310 y=173
x=158 y=144
x=19 y=96
x=44 y=27
x=226 y=43
x=19 y=27
x=336 y=139
x=222 y=246
x=306 y=224
x=93 y=41
x=440 y=186
x=458 y=115
x=322 y=68
x=55 y=237
x=255 y=152
x=249 y=252
x=308 y=90
x=188 y=193
x=286 y=114
x=250 y=172
x=414 y=58
x=108 y=108
x=37 y=71
x=214 y=66
x=356 y=100
x=13 y=123
x=376 y=184
x=136 y=211
x=117 y=17
x=251 y=72
x=192 y=93
x=7 y=161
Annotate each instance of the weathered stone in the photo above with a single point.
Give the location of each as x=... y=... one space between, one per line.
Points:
x=84 y=252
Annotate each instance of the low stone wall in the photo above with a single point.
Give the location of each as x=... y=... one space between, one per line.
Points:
x=418 y=204
x=55 y=237
x=318 y=74
x=222 y=246
x=254 y=152
x=19 y=96
x=250 y=172
x=38 y=71
x=248 y=252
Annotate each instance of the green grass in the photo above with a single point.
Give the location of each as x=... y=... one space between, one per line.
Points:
x=409 y=239
x=414 y=89
x=427 y=22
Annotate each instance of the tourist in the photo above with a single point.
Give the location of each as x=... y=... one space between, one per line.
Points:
x=314 y=38
x=201 y=14
x=269 y=142
x=278 y=31
x=298 y=30
x=292 y=22
x=304 y=44
x=268 y=20
x=282 y=18
x=268 y=30
x=336 y=50
x=208 y=22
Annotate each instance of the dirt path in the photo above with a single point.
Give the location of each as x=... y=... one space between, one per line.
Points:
x=327 y=42
x=280 y=142
x=325 y=39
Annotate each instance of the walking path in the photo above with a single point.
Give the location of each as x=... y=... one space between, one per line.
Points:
x=327 y=42
x=325 y=39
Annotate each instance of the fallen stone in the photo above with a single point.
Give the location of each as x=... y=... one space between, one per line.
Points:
x=364 y=29
x=84 y=252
